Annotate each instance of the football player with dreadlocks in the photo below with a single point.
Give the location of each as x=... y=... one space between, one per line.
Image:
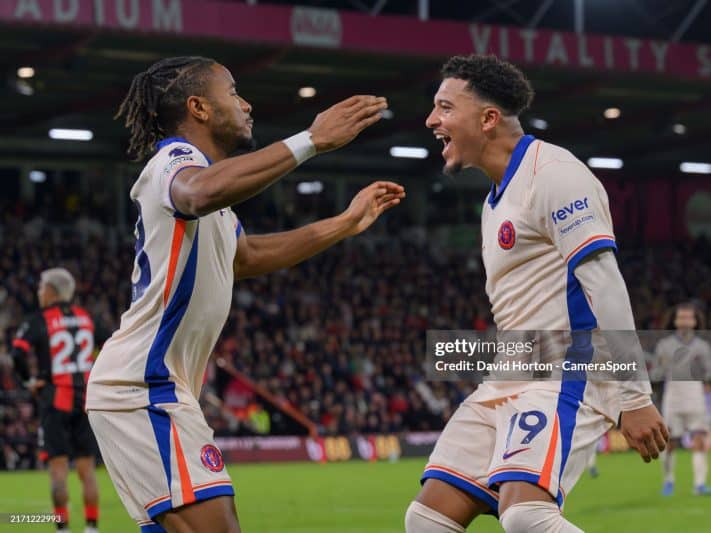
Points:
x=142 y=396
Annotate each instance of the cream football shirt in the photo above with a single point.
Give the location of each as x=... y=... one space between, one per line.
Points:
x=181 y=294
x=546 y=216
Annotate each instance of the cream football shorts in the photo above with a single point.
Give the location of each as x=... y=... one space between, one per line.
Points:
x=679 y=422
x=159 y=458
x=538 y=436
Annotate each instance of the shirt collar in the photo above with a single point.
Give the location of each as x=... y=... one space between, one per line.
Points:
x=515 y=161
x=169 y=140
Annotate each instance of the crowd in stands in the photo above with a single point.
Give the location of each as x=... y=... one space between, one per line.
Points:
x=339 y=338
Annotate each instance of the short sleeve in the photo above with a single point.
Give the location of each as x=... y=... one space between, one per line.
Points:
x=173 y=159
x=24 y=337
x=27 y=338
x=31 y=333
x=574 y=210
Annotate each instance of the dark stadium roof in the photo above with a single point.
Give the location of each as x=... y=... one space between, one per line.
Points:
x=82 y=75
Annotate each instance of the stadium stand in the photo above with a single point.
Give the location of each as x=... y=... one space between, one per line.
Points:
x=339 y=338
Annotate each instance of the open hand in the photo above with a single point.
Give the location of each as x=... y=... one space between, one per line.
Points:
x=371 y=202
x=341 y=123
x=645 y=431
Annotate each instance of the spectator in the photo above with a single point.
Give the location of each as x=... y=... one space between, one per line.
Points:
x=344 y=344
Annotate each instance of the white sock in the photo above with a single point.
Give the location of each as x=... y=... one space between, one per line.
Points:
x=593 y=460
x=669 y=463
x=536 y=517
x=422 y=519
x=699 y=461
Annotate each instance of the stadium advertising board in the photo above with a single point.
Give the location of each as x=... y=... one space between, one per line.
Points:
x=353 y=31
x=259 y=449
x=320 y=450
x=356 y=447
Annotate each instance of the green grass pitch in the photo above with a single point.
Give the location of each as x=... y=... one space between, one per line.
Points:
x=372 y=497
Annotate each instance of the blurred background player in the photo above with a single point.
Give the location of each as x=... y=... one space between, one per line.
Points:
x=190 y=247
x=515 y=449
x=685 y=360
x=62 y=337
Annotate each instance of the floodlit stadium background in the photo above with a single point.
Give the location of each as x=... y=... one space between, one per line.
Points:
x=321 y=363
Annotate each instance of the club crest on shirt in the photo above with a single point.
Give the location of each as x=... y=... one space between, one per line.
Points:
x=507 y=235
x=212 y=458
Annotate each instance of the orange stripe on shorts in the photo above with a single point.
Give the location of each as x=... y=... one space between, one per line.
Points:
x=545 y=480
x=212 y=484
x=462 y=476
x=156 y=501
x=513 y=469
x=186 y=486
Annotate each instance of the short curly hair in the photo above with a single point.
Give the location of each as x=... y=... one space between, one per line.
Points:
x=492 y=79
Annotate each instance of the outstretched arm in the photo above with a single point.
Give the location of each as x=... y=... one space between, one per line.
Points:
x=261 y=254
x=197 y=191
x=640 y=422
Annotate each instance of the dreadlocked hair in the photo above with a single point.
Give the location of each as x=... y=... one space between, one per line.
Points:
x=155 y=103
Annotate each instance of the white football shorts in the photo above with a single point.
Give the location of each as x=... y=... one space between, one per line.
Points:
x=679 y=422
x=541 y=437
x=159 y=458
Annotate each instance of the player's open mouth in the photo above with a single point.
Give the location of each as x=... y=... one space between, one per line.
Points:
x=445 y=140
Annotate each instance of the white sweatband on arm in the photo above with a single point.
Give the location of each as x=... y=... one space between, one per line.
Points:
x=602 y=281
x=301 y=146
